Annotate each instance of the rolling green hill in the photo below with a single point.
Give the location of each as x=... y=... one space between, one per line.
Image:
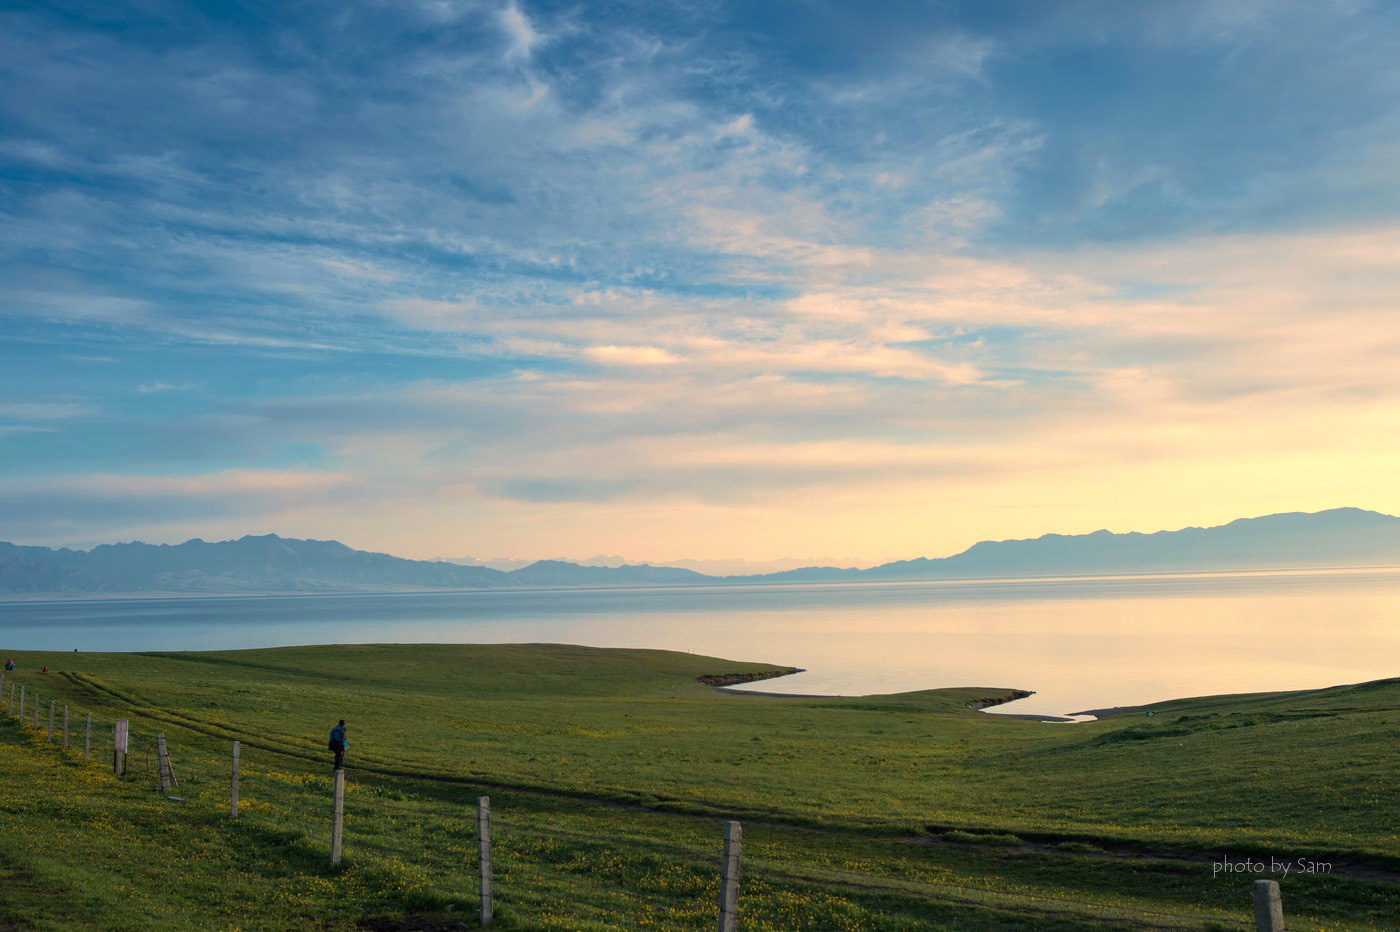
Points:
x=610 y=772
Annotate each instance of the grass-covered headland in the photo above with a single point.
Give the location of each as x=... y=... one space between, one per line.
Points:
x=610 y=774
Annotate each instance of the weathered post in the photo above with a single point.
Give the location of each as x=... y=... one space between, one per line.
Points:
x=163 y=763
x=233 y=785
x=1268 y=906
x=337 y=826
x=87 y=739
x=729 y=889
x=65 y=728
x=483 y=828
x=119 y=746
x=53 y=707
x=21 y=705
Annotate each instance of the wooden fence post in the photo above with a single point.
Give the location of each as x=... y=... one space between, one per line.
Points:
x=729 y=890
x=338 y=818
x=36 y=711
x=65 y=728
x=120 y=742
x=87 y=738
x=483 y=830
x=163 y=763
x=21 y=705
x=1268 y=906
x=233 y=785
x=53 y=707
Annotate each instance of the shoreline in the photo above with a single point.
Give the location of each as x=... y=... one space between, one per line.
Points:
x=721 y=680
x=737 y=582
x=977 y=705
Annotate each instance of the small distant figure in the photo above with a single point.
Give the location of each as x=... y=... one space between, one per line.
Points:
x=9 y=666
x=45 y=670
x=338 y=744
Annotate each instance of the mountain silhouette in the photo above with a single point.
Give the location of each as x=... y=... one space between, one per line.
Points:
x=269 y=563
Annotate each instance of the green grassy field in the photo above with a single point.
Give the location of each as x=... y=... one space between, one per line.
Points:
x=611 y=772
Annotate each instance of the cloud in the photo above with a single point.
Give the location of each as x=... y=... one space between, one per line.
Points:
x=36 y=410
x=630 y=355
x=453 y=257
x=522 y=35
x=109 y=502
x=152 y=388
x=233 y=481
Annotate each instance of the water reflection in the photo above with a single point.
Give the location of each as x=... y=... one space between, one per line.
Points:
x=1080 y=643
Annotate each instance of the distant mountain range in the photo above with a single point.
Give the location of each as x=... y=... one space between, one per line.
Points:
x=1339 y=537
x=707 y=567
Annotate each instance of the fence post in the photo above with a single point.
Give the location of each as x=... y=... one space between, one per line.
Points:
x=163 y=763
x=233 y=786
x=21 y=705
x=10 y=705
x=729 y=891
x=36 y=711
x=53 y=707
x=87 y=739
x=483 y=829
x=1268 y=906
x=337 y=826
x=119 y=746
x=65 y=728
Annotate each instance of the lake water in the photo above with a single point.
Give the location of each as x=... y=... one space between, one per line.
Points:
x=1080 y=643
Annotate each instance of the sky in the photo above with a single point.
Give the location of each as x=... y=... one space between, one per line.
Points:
x=699 y=280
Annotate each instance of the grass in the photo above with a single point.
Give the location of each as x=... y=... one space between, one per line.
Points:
x=610 y=772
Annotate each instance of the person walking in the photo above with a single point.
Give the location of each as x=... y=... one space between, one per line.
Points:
x=338 y=744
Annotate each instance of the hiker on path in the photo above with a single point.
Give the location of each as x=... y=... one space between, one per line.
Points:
x=338 y=744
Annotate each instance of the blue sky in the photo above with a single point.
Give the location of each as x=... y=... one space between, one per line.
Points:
x=693 y=279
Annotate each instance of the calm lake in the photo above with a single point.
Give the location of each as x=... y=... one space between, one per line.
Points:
x=1080 y=643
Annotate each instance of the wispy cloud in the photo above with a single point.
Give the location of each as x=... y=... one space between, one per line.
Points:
x=522 y=35
x=42 y=410
x=572 y=271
